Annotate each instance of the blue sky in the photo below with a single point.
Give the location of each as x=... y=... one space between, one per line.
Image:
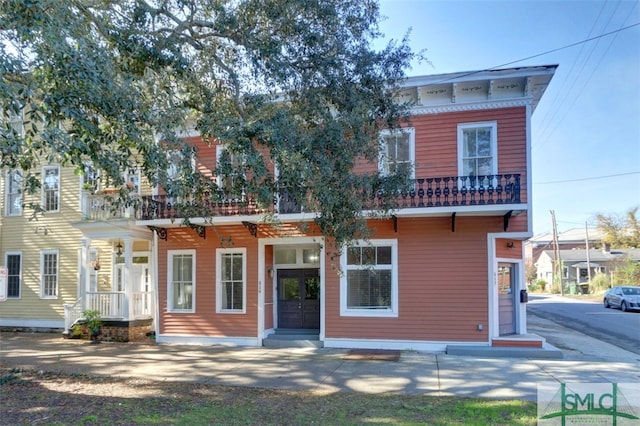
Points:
x=586 y=129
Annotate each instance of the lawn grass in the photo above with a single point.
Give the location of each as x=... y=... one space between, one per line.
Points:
x=301 y=408
x=60 y=399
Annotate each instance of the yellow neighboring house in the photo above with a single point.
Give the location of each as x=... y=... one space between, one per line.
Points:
x=75 y=255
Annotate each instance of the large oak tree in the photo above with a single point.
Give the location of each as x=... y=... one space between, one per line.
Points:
x=115 y=83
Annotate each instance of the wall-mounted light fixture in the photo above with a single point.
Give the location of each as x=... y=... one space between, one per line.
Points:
x=510 y=245
x=270 y=271
x=119 y=249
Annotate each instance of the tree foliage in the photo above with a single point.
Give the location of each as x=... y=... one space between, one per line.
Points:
x=116 y=83
x=621 y=231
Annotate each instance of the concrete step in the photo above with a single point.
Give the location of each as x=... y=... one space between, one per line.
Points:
x=545 y=352
x=293 y=338
x=276 y=343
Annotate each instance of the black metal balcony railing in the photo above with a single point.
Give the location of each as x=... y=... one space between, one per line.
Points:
x=448 y=191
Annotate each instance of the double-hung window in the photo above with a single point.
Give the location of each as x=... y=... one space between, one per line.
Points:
x=90 y=178
x=51 y=188
x=369 y=285
x=397 y=151
x=49 y=274
x=133 y=181
x=14 y=274
x=231 y=273
x=14 y=193
x=182 y=280
x=477 y=149
x=230 y=174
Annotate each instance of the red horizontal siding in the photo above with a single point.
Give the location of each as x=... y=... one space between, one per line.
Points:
x=205 y=321
x=443 y=283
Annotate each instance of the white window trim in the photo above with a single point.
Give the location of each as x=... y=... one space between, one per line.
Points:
x=412 y=149
x=494 y=143
x=43 y=198
x=136 y=173
x=219 y=253
x=385 y=313
x=170 y=254
x=42 y=254
x=8 y=202
x=6 y=262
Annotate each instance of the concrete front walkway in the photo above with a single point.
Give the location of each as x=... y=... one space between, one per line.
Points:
x=323 y=370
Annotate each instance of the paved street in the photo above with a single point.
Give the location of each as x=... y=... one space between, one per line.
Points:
x=588 y=317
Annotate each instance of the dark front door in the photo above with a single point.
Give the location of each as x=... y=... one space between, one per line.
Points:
x=299 y=298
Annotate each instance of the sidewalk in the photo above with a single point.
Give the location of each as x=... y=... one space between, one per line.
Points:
x=323 y=370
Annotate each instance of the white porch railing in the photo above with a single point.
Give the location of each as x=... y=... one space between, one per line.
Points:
x=110 y=304
x=142 y=304
x=72 y=311
x=102 y=206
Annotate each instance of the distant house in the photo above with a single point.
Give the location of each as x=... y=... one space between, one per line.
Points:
x=575 y=238
x=579 y=264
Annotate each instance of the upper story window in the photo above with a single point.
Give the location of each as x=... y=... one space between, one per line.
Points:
x=477 y=149
x=133 y=181
x=231 y=280
x=230 y=173
x=51 y=188
x=369 y=286
x=14 y=193
x=13 y=122
x=397 y=151
x=182 y=280
x=90 y=178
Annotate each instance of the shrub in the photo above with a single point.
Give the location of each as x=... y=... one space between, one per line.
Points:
x=600 y=282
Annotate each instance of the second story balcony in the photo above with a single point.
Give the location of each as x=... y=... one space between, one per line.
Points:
x=444 y=193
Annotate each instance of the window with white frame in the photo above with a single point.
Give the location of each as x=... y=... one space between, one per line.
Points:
x=133 y=181
x=232 y=183
x=14 y=193
x=231 y=272
x=51 y=188
x=369 y=285
x=90 y=178
x=14 y=123
x=49 y=274
x=397 y=151
x=477 y=149
x=182 y=280
x=13 y=260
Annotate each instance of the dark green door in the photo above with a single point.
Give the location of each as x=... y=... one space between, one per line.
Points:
x=299 y=298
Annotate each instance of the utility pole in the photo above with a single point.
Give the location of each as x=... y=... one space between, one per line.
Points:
x=557 y=270
x=586 y=233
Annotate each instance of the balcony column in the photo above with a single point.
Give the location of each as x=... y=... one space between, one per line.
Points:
x=126 y=277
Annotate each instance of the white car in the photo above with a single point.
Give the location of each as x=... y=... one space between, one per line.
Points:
x=625 y=297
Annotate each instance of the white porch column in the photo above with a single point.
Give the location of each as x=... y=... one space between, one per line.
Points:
x=126 y=277
x=83 y=281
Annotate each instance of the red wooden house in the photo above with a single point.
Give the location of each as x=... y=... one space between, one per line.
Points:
x=445 y=268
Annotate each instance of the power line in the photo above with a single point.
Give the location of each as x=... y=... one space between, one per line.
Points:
x=541 y=54
x=587 y=178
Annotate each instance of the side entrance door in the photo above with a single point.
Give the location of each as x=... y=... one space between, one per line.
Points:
x=506 y=298
x=299 y=298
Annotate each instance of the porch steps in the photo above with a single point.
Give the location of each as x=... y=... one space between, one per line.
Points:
x=515 y=346
x=293 y=338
